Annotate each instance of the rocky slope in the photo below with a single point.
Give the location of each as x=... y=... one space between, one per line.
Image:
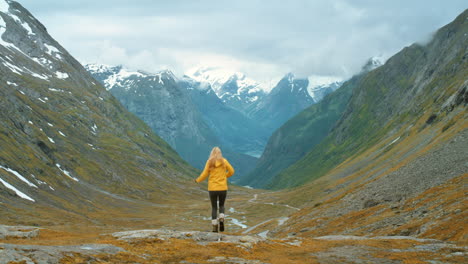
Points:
x=69 y=148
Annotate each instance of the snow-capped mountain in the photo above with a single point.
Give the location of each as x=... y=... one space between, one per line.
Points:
x=234 y=88
x=235 y=129
x=119 y=76
x=287 y=98
x=169 y=106
x=159 y=101
x=373 y=63
x=44 y=56
x=320 y=86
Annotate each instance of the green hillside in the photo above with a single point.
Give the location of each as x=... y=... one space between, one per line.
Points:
x=299 y=135
x=420 y=80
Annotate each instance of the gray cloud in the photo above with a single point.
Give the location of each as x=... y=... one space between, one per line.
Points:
x=265 y=39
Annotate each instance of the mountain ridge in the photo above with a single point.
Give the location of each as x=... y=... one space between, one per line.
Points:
x=170 y=109
x=68 y=143
x=408 y=69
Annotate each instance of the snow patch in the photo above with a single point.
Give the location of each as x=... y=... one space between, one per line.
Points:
x=11 y=187
x=10 y=66
x=67 y=173
x=51 y=140
x=42 y=61
x=238 y=223
x=7 y=44
x=12 y=83
x=40 y=76
x=395 y=140
x=24 y=24
x=62 y=134
x=282 y=220
x=61 y=75
x=160 y=80
x=51 y=49
x=56 y=90
x=264 y=234
x=49 y=124
x=19 y=176
x=4 y=6
x=94 y=128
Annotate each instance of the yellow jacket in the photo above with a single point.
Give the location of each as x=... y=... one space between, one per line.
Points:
x=218 y=175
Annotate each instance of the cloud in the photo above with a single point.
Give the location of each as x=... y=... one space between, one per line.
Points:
x=264 y=39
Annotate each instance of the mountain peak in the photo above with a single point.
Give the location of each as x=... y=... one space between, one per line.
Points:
x=373 y=63
x=234 y=88
x=102 y=68
x=290 y=77
x=289 y=83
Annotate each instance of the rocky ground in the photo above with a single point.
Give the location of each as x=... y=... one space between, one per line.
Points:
x=33 y=245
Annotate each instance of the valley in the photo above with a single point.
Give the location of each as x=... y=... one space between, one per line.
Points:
x=97 y=163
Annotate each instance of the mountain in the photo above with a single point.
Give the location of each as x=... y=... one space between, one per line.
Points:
x=299 y=135
x=167 y=107
x=394 y=164
x=388 y=183
x=318 y=92
x=234 y=129
x=271 y=110
x=286 y=99
x=420 y=90
x=159 y=101
x=68 y=147
x=373 y=63
x=233 y=88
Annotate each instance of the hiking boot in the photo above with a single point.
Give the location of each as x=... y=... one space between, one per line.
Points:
x=214 y=223
x=221 y=222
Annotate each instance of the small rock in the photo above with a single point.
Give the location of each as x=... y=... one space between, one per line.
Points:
x=370 y=203
x=18 y=231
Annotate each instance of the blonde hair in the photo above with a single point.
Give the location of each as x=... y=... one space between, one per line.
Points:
x=215 y=155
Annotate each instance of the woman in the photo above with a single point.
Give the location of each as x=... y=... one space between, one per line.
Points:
x=219 y=169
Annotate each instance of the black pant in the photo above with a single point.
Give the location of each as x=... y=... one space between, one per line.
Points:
x=214 y=197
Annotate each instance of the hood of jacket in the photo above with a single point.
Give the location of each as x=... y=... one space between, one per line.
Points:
x=219 y=163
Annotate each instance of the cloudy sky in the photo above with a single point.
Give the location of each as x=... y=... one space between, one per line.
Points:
x=264 y=39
